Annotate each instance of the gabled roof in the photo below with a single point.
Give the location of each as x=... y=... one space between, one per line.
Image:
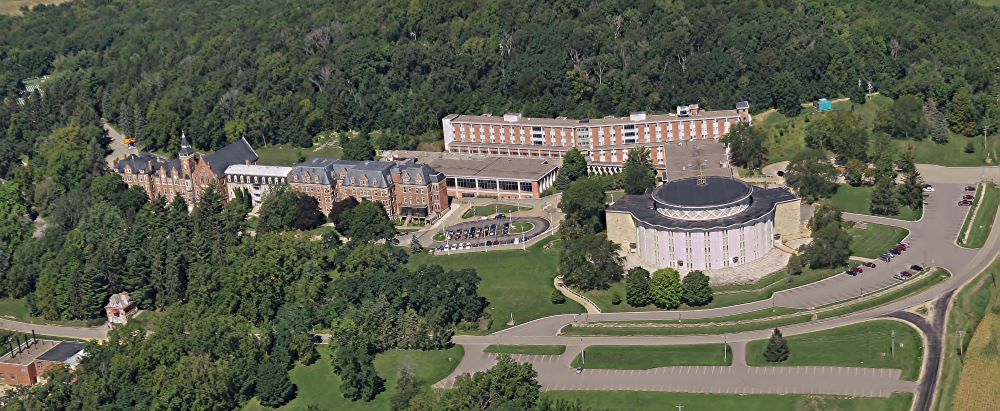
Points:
x=120 y=300
x=410 y=172
x=375 y=174
x=142 y=163
x=239 y=152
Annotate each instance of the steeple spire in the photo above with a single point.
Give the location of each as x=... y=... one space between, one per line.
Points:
x=186 y=150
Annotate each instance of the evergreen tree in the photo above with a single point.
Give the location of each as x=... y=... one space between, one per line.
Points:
x=911 y=192
x=884 y=200
x=665 y=288
x=638 y=171
x=637 y=292
x=574 y=167
x=858 y=94
x=794 y=266
x=171 y=283
x=777 y=348
x=274 y=388
x=962 y=113
x=937 y=124
x=557 y=297
x=697 y=290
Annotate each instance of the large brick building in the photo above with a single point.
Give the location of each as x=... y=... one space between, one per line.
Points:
x=405 y=189
x=188 y=174
x=28 y=360
x=605 y=141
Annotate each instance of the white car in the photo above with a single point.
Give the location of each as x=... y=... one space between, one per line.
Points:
x=928 y=188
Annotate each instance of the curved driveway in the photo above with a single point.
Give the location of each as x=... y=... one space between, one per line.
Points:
x=933 y=244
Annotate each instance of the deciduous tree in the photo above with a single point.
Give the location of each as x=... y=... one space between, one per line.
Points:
x=637 y=292
x=638 y=171
x=696 y=288
x=665 y=288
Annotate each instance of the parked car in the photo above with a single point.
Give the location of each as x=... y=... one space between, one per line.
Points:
x=965 y=203
x=968 y=197
x=899 y=276
x=858 y=270
x=928 y=188
x=906 y=274
x=499 y=216
x=869 y=264
x=917 y=267
x=852 y=272
x=970 y=188
x=885 y=258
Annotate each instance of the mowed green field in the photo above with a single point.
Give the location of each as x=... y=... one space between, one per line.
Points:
x=631 y=357
x=871 y=240
x=866 y=344
x=319 y=387
x=515 y=282
x=668 y=401
x=858 y=200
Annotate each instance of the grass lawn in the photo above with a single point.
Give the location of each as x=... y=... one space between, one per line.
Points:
x=871 y=240
x=970 y=306
x=987 y=200
x=667 y=401
x=319 y=387
x=491 y=209
x=866 y=344
x=725 y=295
x=287 y=155
x=514 y=281
x=527 y=349
x=17 y=309
x=630 y=357
x=858 y=200
x=571 y=330
x=752 y=315
x=521 y=227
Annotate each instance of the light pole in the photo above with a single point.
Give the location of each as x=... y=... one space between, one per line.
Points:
x=893 y=347
x=724 y=346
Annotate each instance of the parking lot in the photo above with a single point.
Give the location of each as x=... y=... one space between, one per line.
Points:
x=488 y=232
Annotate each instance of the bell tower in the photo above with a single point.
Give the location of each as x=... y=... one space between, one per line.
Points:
x=186 y=156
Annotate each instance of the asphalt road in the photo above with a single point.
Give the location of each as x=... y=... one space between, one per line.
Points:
x=933 y=244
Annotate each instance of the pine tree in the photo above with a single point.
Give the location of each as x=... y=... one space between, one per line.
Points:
x=911 y=192
x=665 y=288
x=937 y=124
x=697 y=290
x=884 y=198
x=777 y=348
x=274 y=387
x=638 y=171
x=794 y=266
x=962 y=113
x=637 y=288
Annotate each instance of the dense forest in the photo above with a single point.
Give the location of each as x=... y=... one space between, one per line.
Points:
x=281 y=71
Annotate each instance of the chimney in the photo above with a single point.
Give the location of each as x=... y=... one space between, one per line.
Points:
x=247 y=162
x=695 y=110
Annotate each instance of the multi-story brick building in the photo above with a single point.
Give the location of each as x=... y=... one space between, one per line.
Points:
x=404 y=189
x=188 y=174
x=605 y=141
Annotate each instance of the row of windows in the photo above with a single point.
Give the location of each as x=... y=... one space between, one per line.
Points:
x=469 y=133
x=502 y=185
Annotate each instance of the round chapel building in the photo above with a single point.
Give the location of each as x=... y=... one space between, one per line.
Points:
x=702 y=223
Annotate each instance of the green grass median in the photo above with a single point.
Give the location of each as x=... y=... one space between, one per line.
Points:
x=858 y=200
x=644 y=357
x=867 y=344
x=985 y=207
x=872 y=240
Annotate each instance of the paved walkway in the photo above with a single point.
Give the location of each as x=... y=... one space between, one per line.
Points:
x=572 y=295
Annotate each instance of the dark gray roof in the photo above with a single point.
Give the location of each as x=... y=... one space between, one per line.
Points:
x=324 y=168
x=142 y=163
x=641 y=207
x=62 y=352
x=239 y=152
x=378 y=174
x=716 y=191
x=743 y=105
x=426 y=173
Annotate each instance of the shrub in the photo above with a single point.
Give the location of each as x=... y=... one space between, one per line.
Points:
x=615 y=298
x=558 y=297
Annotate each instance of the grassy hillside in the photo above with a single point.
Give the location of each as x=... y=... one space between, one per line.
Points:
x=977 y=385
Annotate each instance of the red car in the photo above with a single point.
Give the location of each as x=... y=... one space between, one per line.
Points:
x=869 y=264
x=906 y=274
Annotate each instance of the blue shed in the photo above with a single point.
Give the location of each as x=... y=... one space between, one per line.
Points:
x=824 y=105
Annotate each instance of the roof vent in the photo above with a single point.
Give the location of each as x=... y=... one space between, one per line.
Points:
x=511 y=117
x=637 y=116
x=683 y=111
